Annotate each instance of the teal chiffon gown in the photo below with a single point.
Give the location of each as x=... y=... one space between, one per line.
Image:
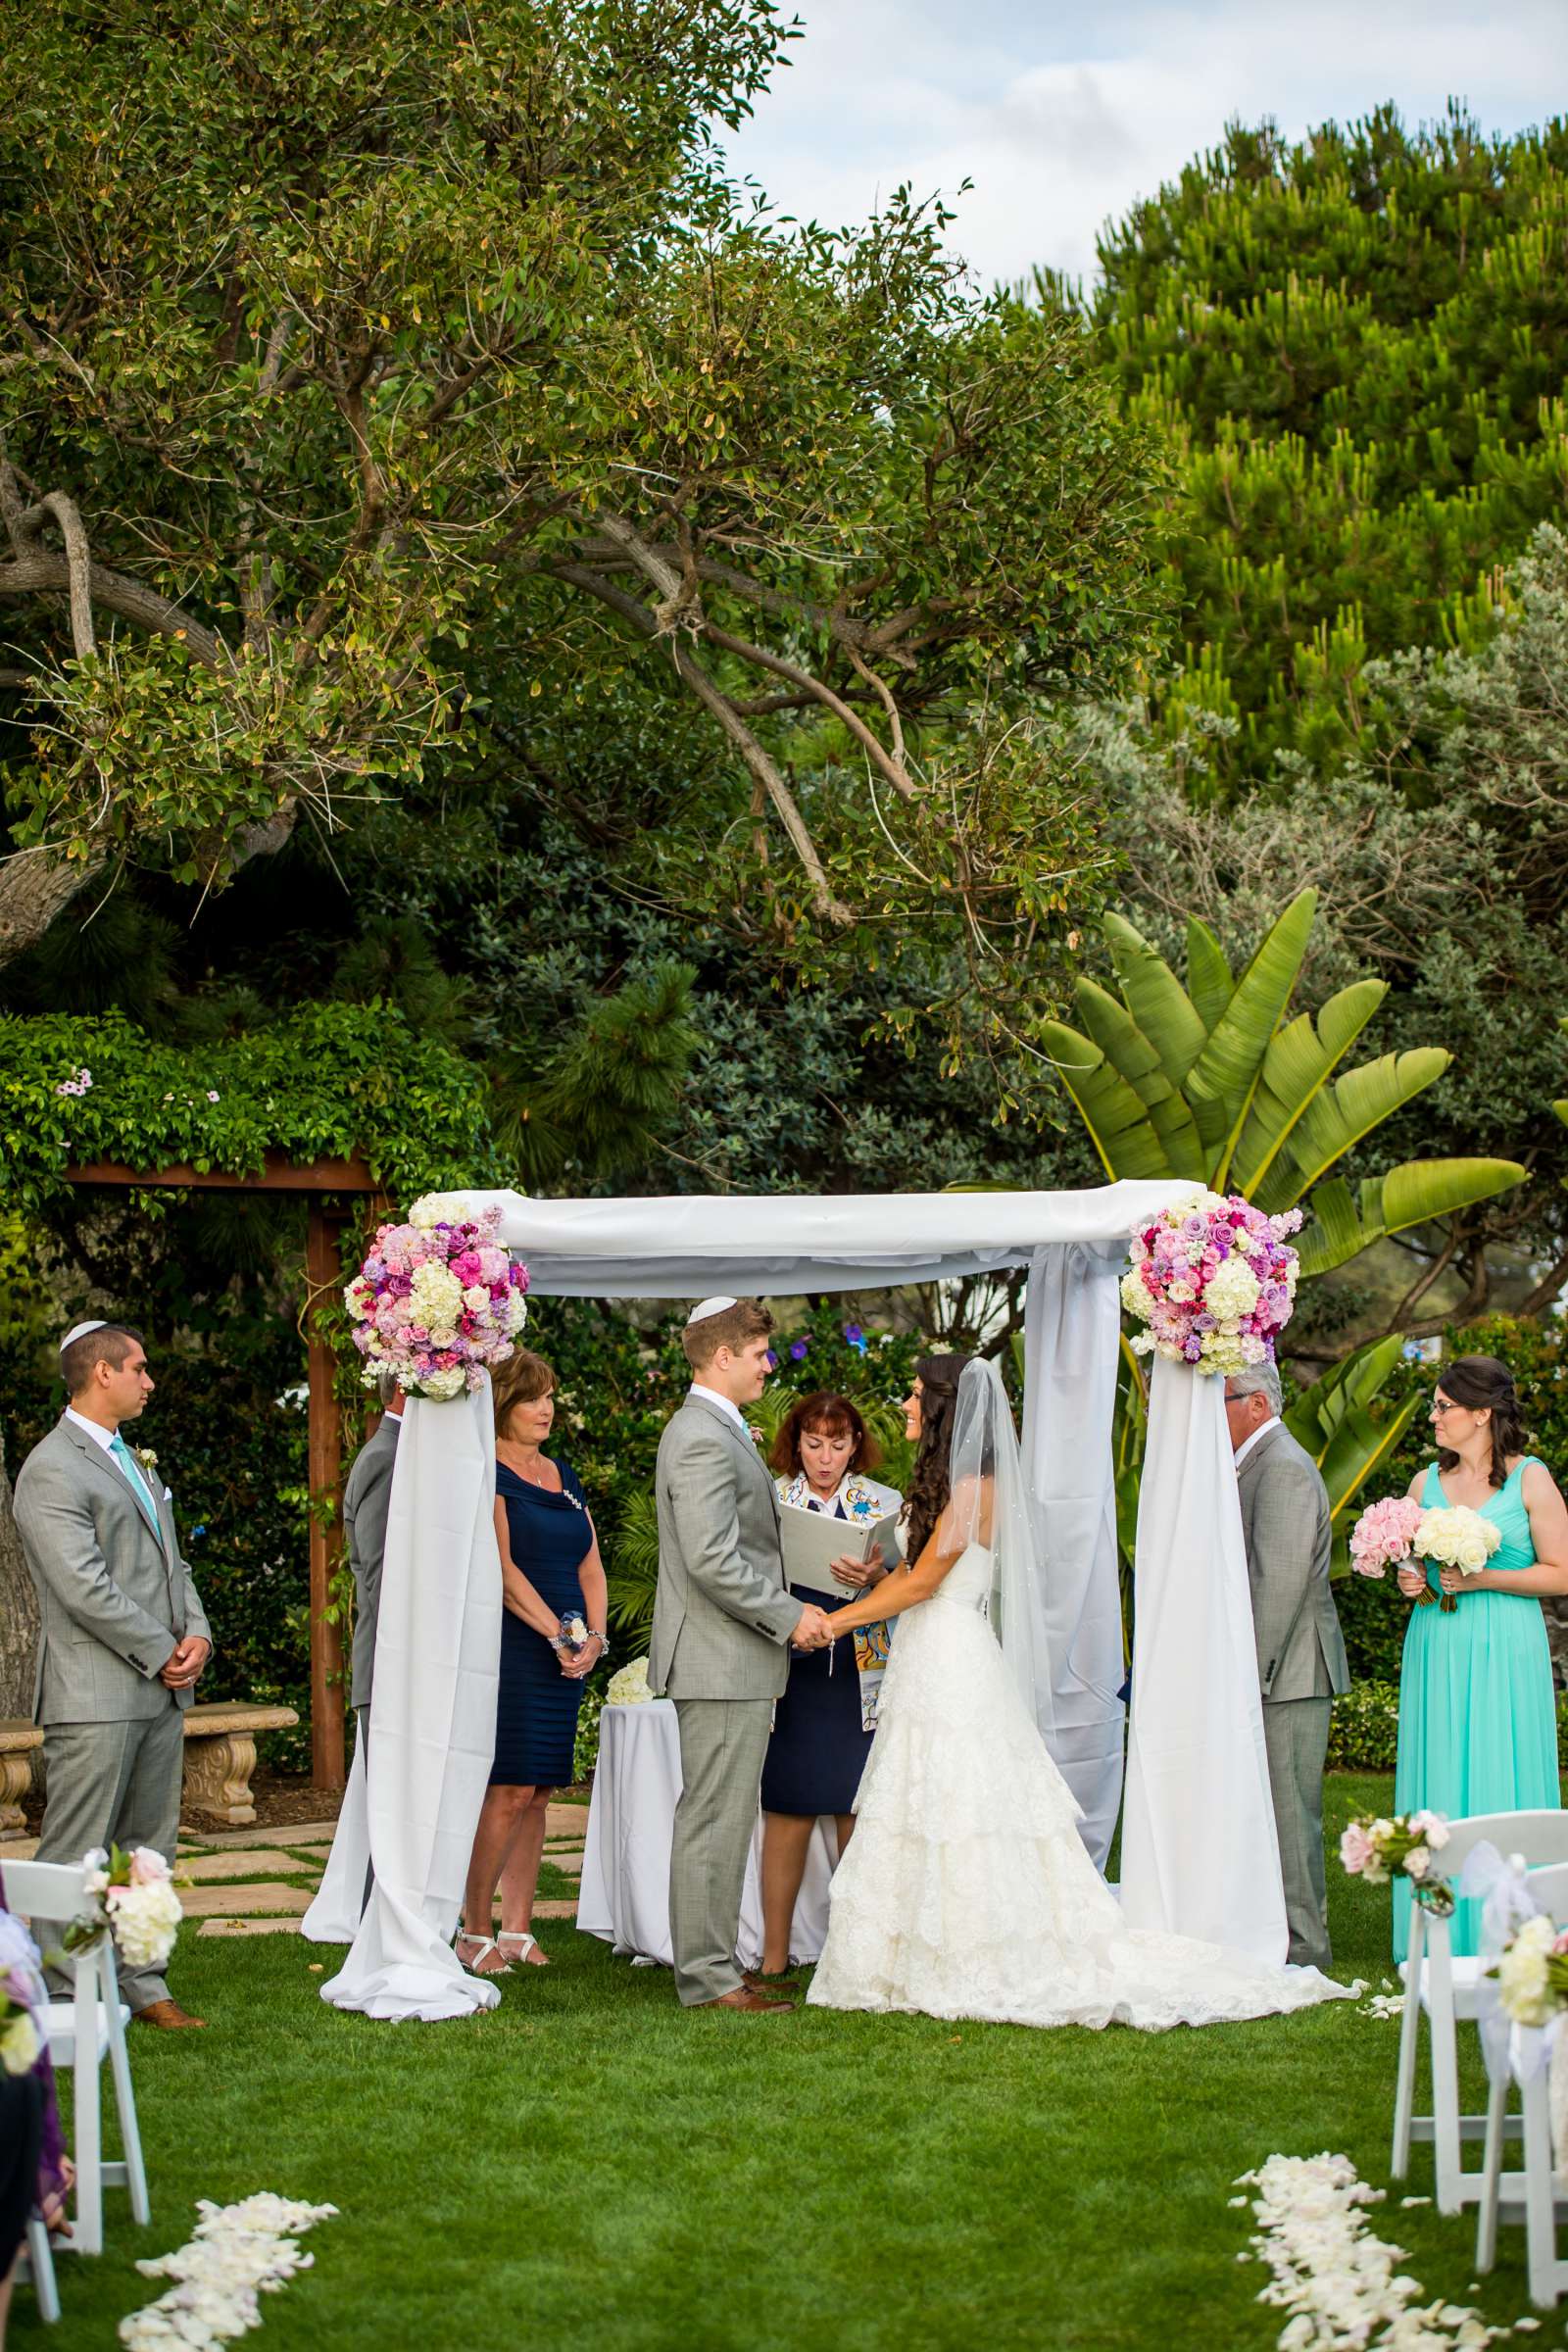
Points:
x=1478 y=1714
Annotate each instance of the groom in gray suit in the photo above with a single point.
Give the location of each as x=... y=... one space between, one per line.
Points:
x=723 y=1619
x=122 y=1637
x=1301 y=1664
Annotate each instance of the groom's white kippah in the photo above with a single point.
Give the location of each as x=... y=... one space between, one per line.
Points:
x=80 y=1331
x=710 y=1306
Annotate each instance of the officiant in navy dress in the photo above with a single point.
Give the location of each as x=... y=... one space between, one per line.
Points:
x=824 y=1723
x=551 y=1574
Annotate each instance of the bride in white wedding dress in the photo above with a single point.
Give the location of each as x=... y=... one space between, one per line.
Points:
x=966 y=1892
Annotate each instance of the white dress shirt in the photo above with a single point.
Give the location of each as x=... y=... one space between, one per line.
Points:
x=106 y=1438
x=725 y=1404
x=1247 y=1444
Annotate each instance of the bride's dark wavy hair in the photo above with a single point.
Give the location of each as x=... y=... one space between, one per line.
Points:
x=1481 y=1384
x=931 y=1480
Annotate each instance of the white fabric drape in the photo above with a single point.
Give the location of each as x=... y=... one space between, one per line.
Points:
x=1071 y=1337
x=432 y=1722
x=1200 y=1855
x=625 y=1895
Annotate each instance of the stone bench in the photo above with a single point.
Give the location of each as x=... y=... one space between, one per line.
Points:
x=220 y=1756
x=18 y=1740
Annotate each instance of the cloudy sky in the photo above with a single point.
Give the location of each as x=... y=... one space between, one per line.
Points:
x=1061 y=114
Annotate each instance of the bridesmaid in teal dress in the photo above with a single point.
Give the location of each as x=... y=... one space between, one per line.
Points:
x=1478 y=1712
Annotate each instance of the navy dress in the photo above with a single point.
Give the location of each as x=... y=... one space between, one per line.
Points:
x=536 y=1704
x=819 y=1749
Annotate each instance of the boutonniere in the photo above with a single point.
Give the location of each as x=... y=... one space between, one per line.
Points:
x=757 y=1436
x=146 y=1456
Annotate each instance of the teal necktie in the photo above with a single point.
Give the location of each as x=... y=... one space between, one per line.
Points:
x=138 y=1484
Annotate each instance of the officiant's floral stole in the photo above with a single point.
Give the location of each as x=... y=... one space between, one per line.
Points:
x=873 y=1643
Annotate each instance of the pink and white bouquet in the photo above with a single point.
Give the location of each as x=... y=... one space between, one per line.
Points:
x=438 y=1300
x=1382 y=1848
x=1399 y=1528
x=131 y=1896
x=1383 y=1536
x=1213 y=1281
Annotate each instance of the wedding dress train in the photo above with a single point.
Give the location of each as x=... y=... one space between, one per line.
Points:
x=966 y=1890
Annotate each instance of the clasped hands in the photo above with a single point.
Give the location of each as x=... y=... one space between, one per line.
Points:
x=185 y=1662
x=1414 y=1581
x=814 y=1630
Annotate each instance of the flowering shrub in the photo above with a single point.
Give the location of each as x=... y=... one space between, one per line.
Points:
x=438 y=1300
x=1213 y=1281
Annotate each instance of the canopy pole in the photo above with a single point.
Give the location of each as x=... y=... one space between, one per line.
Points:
x=323 y=1274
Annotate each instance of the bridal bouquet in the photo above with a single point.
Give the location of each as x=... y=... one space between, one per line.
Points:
x=438 y=1300
x=1380 y=1849
x=1213 y=1283
x=1456 y=1536
x=133 y=1897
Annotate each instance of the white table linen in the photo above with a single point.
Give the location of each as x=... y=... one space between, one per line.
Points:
x=625 y=1897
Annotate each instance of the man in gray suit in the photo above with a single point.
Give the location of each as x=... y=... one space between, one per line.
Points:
x=723 y=1618
x=123 y=1636
x=366 y=1500
x=1300 y=1651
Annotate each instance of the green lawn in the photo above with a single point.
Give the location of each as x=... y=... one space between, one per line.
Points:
x=587 y=2167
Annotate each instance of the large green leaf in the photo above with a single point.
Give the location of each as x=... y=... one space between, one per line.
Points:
x=1155 y=999
x=1300 y=1060
x=1422 y=1189
x=1338 y=1422
x=1118 y=1123
x=1220 y=1085
x=1133 y=1058
x=1336 y=1119
x=1211 y=982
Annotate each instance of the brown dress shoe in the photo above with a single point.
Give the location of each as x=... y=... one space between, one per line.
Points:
x=743 y=1998
x=168 y=2015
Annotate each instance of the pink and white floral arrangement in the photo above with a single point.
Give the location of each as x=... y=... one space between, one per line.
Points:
x=1397 y=1528
x=1401 y=1845
x=438 y=1300
x=131 y=1896
x=1213 y=1281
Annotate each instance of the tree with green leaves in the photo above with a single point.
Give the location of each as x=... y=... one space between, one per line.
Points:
x=1355 y=349
x=377 y=389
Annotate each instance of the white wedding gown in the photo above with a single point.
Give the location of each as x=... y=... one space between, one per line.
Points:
x=966 y=1890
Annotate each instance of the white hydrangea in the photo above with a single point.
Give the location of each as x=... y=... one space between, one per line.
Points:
x=1232 y=1289
x=629 y=1687
x=436 y=1297
x=1135 y=1295
x=145 y=1918
x=443 y=1386
x=441 y=1208
x=1524 y=1986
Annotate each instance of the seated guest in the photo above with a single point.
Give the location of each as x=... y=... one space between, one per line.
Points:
x=823 y=1724
x=551 y=1569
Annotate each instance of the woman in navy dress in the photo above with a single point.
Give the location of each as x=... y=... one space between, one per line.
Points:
x=823 y=1725
x=551 y=1574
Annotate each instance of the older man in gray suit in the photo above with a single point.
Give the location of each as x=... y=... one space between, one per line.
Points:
x=123 y=1636
x=723 y=1619
x=1300 y=1651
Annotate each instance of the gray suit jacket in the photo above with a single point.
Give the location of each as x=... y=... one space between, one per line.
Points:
x=366 y=1500
x=113 y=1597
x=722 y=1616
x=1285 y=1522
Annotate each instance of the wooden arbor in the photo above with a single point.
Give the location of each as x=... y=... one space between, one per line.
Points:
x=329 y=1185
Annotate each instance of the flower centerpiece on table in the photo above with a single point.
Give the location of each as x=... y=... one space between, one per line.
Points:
x=629 y=1687
x=1397 y=1528
x=438 y=1300
x=1381 y=1848
x=1213 y=1283
x=131 y=1896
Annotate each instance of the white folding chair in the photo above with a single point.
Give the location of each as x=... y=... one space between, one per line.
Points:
x=82 y=2033
x=1445 y=1989
x=37 y=2262
x=1532 y=2194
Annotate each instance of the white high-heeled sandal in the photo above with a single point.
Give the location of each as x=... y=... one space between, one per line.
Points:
x=486 y=1943
x=525 y=1942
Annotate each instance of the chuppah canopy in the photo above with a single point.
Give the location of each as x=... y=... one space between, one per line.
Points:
x=1198 y=1766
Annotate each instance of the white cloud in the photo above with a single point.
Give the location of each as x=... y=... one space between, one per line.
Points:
x=1061 y=117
